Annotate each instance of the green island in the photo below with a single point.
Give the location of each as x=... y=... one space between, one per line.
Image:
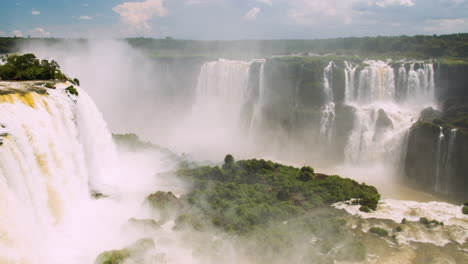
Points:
x=242 y=195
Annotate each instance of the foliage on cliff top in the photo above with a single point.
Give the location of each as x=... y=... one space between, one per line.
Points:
x=242 y=195
x=28 y=67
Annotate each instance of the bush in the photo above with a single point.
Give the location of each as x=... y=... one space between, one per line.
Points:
x=378 y=231
x=465 y=209
x=72 y=90
x=398 y=229
x=365 y=209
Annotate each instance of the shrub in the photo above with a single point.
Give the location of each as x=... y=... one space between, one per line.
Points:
x=365 y=209
x=424 y=221
x=72 y=90
x=465 y=209
x=398 y=229
x=378 y=231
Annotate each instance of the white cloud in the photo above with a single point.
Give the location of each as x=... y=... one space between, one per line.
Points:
x=252 y=13
x=2 y=33
x=266 y=2
x=39 y=32
x=17 y=33
x=139 y=14
x=446 y=26
x=85 y=5
x=35 y=12
x=85 y=18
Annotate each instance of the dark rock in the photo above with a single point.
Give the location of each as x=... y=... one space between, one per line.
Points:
x=429 y=114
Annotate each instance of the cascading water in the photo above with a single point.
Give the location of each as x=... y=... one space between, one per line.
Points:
x=47 y=140
x=376 y=83
x=350 y=73
x=382 y=116
x=444 y=161
x=257 y=109
x=440 y=161
x=215 y=118
x=328 y=109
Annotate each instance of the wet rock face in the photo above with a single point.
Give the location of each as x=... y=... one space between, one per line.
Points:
x=451 y=81
x=420 y=163
x=438 y=150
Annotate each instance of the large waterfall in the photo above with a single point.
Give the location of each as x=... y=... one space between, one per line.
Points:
x=54 y=150
x=382 y=97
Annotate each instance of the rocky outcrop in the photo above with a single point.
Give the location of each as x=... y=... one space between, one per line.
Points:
x=437 y=150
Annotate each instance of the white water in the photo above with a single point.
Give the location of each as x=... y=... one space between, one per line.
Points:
x=444 y=161
x=56 y=149
x=214 y=123
x=328 y=108
x=440 y=158
x=379 y=89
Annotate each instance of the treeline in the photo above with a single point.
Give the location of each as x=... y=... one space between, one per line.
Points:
x=454 y=46
x=448 y=46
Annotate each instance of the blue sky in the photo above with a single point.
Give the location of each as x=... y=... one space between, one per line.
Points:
x=231 y=19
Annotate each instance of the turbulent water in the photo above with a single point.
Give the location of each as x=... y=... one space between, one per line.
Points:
x=55 y=150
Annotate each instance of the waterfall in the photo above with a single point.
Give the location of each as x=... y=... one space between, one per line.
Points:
x=48 y=139
x=376 y=82
x=444 y=161
x=257 y=109
x=350 y=73
x=215 y=120
x=384 y=96
x=449 y=172
x=328 y=108
x=440 y=161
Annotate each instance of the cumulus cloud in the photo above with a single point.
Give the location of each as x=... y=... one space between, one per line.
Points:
x=39 y=32
x=139 y=14
x=85 y=18
x=252 y=13
x=35 y=12
x=17 y=33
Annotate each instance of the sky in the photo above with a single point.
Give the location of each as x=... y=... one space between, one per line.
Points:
x=231 y=19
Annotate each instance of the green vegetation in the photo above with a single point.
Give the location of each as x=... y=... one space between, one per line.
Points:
x=398 y=229
x=248 y=193
x=465 y=210
x=113 y=257
x=135 y=253
x=378 y=231
x=430 y=223
x=28 y=67
x=72 y=90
